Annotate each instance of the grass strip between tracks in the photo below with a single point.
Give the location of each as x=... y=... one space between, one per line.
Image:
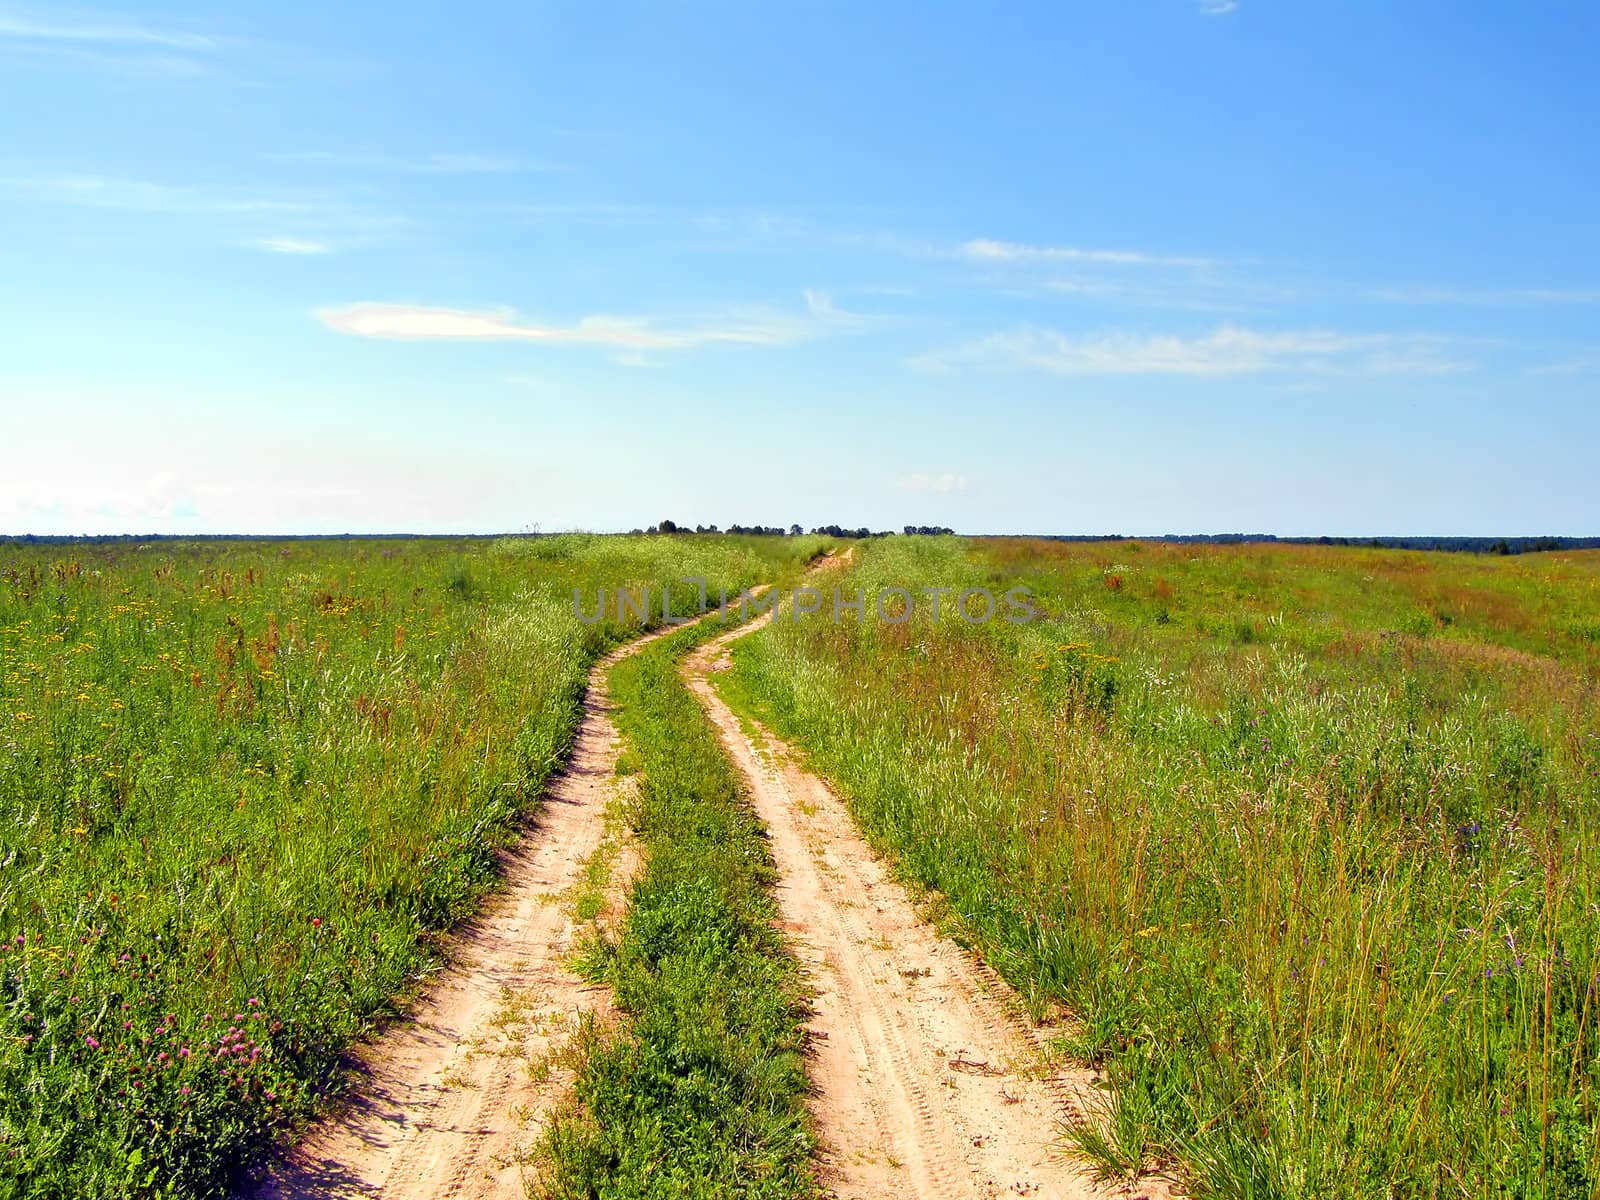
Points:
x=699 y=1090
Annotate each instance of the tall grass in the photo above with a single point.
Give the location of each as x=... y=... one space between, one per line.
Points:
x=242 y=787
x=1305 y=838
x=700 y=1091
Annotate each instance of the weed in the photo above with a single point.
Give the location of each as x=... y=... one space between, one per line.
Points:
x=243 y=786
x=700 y=1091
x=1320 y=891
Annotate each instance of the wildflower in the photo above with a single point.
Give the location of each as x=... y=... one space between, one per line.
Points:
x=91 y=1043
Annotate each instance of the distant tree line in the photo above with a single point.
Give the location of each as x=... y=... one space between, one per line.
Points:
x=1460 y=545
x=837 y=531
x=760 y=530
x=1457 y=545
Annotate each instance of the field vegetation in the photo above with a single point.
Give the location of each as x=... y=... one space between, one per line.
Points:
x=1307 y=840
x=700 y=1090
x=243 y=787
x=1303 y=838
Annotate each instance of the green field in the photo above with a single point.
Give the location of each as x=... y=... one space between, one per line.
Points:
x=1300 y=840
x=1305 y=839
x=243 y=785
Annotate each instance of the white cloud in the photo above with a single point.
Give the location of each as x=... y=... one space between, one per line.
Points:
x=1485 y=297
x=22 y=29
x=945 y=482
x=1218 y=8
x=634 y=335
x=989 y=250
x=124 y=499
x=636 y=358
x=237 y=216
x=1228 y=350
x=819 y=303
x=1582 y=365
x=293 y=245
x=110 y=44
x=143 y=195
x=1199 y=282
x=425 y=164
x=296 y=482
x=463 y=164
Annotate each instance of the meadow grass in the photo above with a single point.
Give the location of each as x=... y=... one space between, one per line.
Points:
x=243 y=786
x=699 y=1090
x=1304 y=838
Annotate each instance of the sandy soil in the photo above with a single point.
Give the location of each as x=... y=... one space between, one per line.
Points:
x=447 y=1102
x=929 y=1081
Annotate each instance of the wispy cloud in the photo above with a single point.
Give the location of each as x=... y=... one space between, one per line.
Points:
x=632 y=335
x=821 y=306
x=989 y=250
x=293 y=245
x=1222 y=296
x=947 y=481
x=422 y=164
x=1588 y=364
x=103 y=33
x=111 y=191
x=1485 y=297
x=1218 y=8
x=110 y=44
x=1162 y=280
x=1228 y=350
x=236 y=215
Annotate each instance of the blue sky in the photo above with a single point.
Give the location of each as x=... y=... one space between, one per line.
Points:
x=1183 y=265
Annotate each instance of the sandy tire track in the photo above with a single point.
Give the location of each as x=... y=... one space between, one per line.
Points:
x=927 y=1084
x=445 y=1104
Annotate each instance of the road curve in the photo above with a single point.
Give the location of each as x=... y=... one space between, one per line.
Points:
x=447 y=1102
x=927 y=1087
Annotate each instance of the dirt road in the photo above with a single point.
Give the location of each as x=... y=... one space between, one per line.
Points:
x=447 y=1102
x=928 y=1087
